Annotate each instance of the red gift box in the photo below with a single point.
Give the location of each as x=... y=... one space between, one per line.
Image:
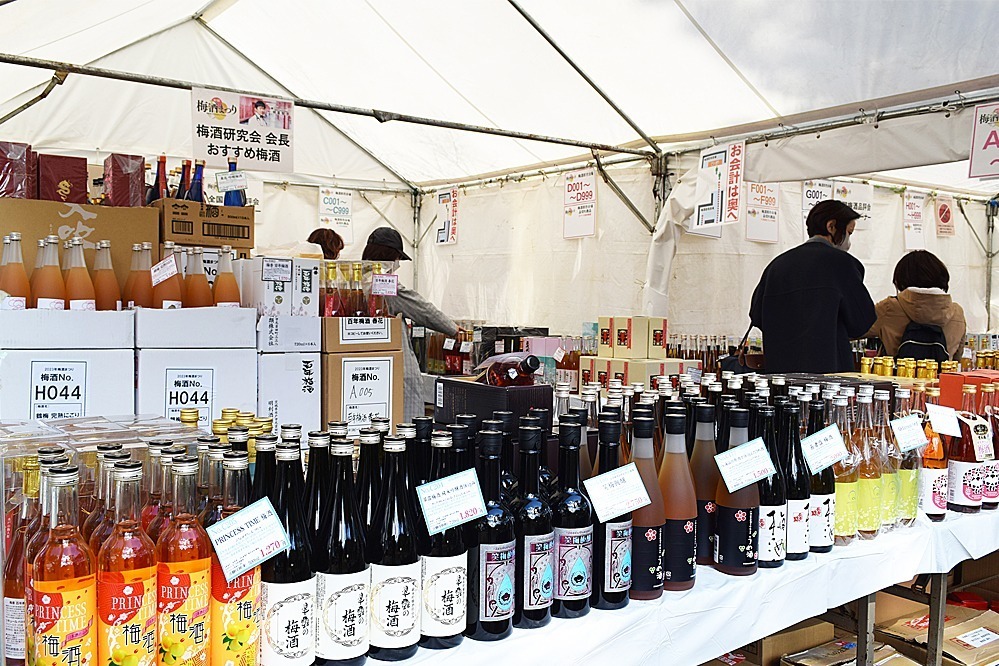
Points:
x=14 y=169
x=32 y=175
x=62 y=178
x=124 y=180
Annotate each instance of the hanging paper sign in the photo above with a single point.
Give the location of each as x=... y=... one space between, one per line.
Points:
x=912 y=220
x=762 y=219
x=253 y=191
x=812 y=192
x=385 y=285
x=230 y=181
x=719 y=189
x=735 y=156
x=336 y=212
x=984 y=157
x=859 y=197
x=447 y=217
x=257 y=131
x=579 y=211
x=944 y=207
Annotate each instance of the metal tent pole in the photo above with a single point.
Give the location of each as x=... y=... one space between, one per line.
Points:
x=990 y=225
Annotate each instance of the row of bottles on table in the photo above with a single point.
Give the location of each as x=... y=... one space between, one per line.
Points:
x=187 y=182
x=69 y=285
x=707 y=349
x=353 y=289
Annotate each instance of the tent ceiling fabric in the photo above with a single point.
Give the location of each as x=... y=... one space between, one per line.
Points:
x=675 y=67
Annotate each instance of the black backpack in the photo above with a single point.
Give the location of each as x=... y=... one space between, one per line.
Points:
x=923 y=342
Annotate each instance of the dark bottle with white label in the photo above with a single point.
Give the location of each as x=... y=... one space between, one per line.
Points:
x=508 y=460
x=263 y=472
x=773 y=498
x=288 y=579
x=573 y=527
x=799 y=485
x=421 y=466
x=822 y=504
x=461 y=444
x=396 y=573
x=535 y=538
x=445 y=566
x=611 y=539
x=317 y=485
x=706 y=477
x=369 y=474
x=492 y=559
x=737 y=518
x=549 y=483
x=343 y=582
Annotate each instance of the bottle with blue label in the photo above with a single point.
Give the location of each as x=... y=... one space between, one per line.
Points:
x=611 y=539
x=573 y=527
x=535 y=538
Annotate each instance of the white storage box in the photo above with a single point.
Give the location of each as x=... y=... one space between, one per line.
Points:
x=289 y=334
x=289 y=390
x=266 y=284
x=305 y=288
x=66 y=329
x=196 y=328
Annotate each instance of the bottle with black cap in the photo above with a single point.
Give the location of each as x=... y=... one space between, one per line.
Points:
x=492 y=560
x=737 y=517
x=461 y=447
x=822 y=502
x=343 y=580
x=317 y=480
x=445 y=566
x=369 y=474
x=578 y=416
x=611 y=538
x=393 y=551
x=508 y=461
x=472 y=421
x=264 y=470
x=647 y=531
x=407 y=431
x=535 y=538
x=799 y=485
x=548 y=481
x=421 y=451
x=772 y=547
x=573 y=527
x=706 y=476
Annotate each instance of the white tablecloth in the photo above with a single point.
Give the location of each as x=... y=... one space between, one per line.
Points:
x=722 y=613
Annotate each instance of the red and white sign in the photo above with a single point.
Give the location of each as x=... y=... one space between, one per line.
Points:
x=447 y=214
x=579 y=214
x=984 y=158
x=733 y=195
x=945 y=216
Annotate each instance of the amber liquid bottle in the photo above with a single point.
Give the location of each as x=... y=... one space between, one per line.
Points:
x=133 y=272
x=107 y=292
x=676 y=484
x=870 y=465
x=142 y=287
x=737 y=519
x=14 y=278
x=198 y=293
x=377 y=306
x=513 y=372
x=13 y=571
x=706 y=477
x=648 y=521
x=933 y=477
x=80 y=293
x=65 y=579
x=126 y=578
x=611 y=538
x=48 y=288
x=39 y=262
x=990 y=470
x=183 y=575
x=964 y=467
x=225 y=291
x=847 y=473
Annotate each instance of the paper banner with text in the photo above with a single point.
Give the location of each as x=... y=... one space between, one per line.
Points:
x=719 y=189
x=579 y=201
x=984 y=158
x=447 y=217
x=257 y=131
x=859 y=197
x=762 y=218
x=812 y=192
x=912 y=220
x=336 y=212
x=944 y=208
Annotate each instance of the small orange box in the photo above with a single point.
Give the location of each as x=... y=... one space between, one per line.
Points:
x=951 y=383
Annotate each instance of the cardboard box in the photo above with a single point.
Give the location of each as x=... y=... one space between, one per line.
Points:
x=124 y=180
x=605 y=337
x=843 y=652
x=305 y=287
x=361 y=334
x=601 y=369
x=195 y=223
x=802 y=636
x=14 y=164
x=289 y=389
x=658 y=337
x=969 y=637
x=585 y=371
x=63 y=383
x=951 y=383
x=463 y=396
x=266 y=284
x=727 y=659
x=62 y=178
x=121 y=226
x=205 y=379
x=66 y=329
x=357 y=386
x=289 y=334
x=644 y=371
x=196 y=328
x=631 y=337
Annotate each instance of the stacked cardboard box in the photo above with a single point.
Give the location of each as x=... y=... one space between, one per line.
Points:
x=279 y=286
x=632 y=349
x=289 y=386
x=970 y=637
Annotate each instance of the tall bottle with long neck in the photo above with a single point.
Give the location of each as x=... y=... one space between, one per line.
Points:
x=13 y=567
x=65 y=579
x=317 y=486
x=773 y=496
x=197 y=292
x=196 y=191
x=909 y=466
x=847 y=473
x=647 y=521
x=14 y=278
x=990 y=468
x=891 y=458
x=265 y=470
x=492 y=552
x=102 y=518
x=35 y=271
x=964 y=466
x=288 y=580
x=369 y=475
x=165 y=509
x=234 y=197
x=210 y=509
x=225 y=291
x=869 y=484
x=183 y=184
x=822 y=505
x=392 y=550
x=611 y=538
x=799 y=485
x=676 y=483
x=167 y=293
x=445 y=566
x=126 y=577
x=48 y=287
x=737 y=520
x=107 y=292
x=706 y=477
x=573 y=527
x=508 y=472
x=933 y=477
x=535 y=539
x=80 y=293
x=183 y=575
x=142 y=286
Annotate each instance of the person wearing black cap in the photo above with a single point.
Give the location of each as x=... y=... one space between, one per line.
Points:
x=385 y=245
x=811 y=300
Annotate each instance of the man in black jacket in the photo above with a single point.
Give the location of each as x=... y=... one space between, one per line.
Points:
x=811 y=300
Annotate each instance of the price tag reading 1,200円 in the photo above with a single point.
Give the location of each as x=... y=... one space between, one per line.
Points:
x=745 y=464
x=823 y=448
x=247 y=538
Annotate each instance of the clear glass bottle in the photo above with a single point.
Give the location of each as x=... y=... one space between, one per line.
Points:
x=14 y=278
x=909 y=466
x=48 y=288
x=225 y=291
x=870 y=466
x=197 y=291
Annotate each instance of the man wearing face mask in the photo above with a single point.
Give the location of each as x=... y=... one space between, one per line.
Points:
x=385 y=245
x=811 y=300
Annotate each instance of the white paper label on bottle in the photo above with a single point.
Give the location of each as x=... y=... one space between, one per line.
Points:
x=14 y=303
x=395 y=605
x=465 y=347
x=976 y=638
x=512 y=373
x=745 y=464
x=83 y=305
x=823 y=448
x=445 y=584
x=164 y=270
x=539 y=574
x=968 y=353
x=58 y=389
x=559 y=355
x=499 y=347
x=230 y=181
x=343 y=614
x=821 y=518
x=617 y=556
x=797 y=526
x=617 y=492
x=773 y=533
x=981 y=435
x=943 y=420
x=449 y=344
x=13 y=627
x=288 y=623
x=497 y=575
x=419 y=332
x=933 y=490
x=172 y=305
x=384 y=285
x=909 y=432
x=573 y=563
x=51 y=304
x=451 y=501
x=965 y=482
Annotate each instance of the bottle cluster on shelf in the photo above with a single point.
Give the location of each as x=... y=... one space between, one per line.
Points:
x=354 y=289
x=888 y=366
x=67 y=283
x=186 y=182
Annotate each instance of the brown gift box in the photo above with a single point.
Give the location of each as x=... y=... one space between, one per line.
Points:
x=124 y=180
x=14 y=159
x=62 y=178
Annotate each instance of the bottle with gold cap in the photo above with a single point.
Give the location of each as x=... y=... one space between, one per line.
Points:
x=189 y=417
x=358 y=303
x=220 y=428
x=230 y=413
x=866 y=364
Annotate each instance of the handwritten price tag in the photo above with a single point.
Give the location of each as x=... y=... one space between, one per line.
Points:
x=944 y=420
x=909 y=432
x=824 y=448
x=616 y=492
x=247 y=538
x=745 y=464
x=451 y=501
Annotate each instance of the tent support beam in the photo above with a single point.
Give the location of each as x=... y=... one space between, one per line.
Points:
x=56 y=80
x=417 y=203
x=579 y=70
x=379 y=115
x=382 y=215
x=621 y=195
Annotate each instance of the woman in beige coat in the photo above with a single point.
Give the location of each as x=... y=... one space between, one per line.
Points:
x=922 y=281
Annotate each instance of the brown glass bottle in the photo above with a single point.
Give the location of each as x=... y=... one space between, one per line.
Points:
x=676 y=484
x=737 y=518
x=706 y=477
x=933 y=477
x=648 y=521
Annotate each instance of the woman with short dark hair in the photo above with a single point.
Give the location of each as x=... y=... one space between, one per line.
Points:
x=328 y=240
x=922 y=281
